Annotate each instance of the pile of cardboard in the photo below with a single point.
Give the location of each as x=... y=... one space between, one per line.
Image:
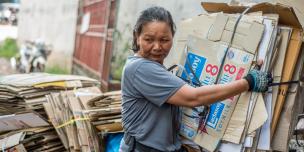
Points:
x=106 y=112
x=216 y=49
x=32 y=139
x=65 y=111
x=22 y=92
x=23 y=121
x=79 y=115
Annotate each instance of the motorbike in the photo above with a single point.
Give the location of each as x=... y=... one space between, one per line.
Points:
x=32 y=57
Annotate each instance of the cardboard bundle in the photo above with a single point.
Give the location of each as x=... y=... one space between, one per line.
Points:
x=65 y=110
x=21 y=120
x=22 y=99
x=106 y=112
x=216 y=49
x=79 y=115
x=33 y=139
x=22 y=92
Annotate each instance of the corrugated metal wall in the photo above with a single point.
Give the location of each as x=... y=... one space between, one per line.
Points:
x=93 y=48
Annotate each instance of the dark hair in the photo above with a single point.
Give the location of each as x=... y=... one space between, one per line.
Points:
x=151 y=14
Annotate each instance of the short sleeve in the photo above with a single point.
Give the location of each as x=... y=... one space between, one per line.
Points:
x=155 y=83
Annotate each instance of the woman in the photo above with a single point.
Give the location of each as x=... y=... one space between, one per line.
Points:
x=151 y=95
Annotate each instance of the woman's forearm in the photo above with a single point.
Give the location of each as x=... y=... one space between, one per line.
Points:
x=212 y=93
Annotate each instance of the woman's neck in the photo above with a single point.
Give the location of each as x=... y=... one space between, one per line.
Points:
x=136 y=54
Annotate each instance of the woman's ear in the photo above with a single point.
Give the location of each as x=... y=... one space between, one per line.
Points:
x=137 y=40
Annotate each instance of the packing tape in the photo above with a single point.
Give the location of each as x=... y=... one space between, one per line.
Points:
x=71 y=122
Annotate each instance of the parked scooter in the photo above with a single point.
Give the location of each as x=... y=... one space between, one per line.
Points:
x=32 y=57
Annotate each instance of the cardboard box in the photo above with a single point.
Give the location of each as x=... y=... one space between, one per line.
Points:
x=286 y=14
x=287 y=17
x=247 y=36
x=205 y=58
x=217 y=27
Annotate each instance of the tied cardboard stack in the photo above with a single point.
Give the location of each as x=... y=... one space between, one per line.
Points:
x=32 y=139
x=24 y=125
x=64 y=109
x=22 y=92
x=80 y=114
x=45 y=112
x=105 y=113
x=216 y=49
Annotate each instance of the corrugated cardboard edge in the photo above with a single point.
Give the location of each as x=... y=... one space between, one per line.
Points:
x=293 y=50
x=298 y=7
x=286 y=13
x=293 y=106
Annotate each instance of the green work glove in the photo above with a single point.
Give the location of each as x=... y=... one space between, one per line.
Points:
x=258 y=81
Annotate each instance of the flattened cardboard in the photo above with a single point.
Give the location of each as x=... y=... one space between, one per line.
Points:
x=237 y=122
x=33 y=79
x=21 y=121
x=11 y=140
x=289 y=66
x=259 y=116
x=286 y=13
x=205 y=58
x=247 y=36
x=298 y=8
x=113 y=127
x=198 y=26
x=279 y=60
x=218 y=27
x=292 y=107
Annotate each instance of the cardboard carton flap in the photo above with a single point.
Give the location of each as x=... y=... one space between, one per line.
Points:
x=247 y=36
x=286 y=14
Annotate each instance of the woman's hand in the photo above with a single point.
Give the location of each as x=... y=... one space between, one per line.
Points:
x=258 y=81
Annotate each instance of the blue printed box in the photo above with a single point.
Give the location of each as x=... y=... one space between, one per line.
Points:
x=197 y=64
x=205 y=58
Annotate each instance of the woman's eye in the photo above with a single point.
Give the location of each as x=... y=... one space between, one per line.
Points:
x=148 y=40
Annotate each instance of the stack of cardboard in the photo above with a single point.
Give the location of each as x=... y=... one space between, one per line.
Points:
x=32 y=139
x=23 y=121
x=64 y=109
x=215 y=49
x=79 y=115
x=106 y=112
x=22 y=92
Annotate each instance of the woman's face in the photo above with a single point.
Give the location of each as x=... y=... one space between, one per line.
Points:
x=155 y=41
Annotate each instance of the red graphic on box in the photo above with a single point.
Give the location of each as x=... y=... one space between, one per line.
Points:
x=230 y=68
x=240 y=74
x=212 y=69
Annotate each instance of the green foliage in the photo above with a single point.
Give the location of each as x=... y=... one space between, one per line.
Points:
x=117 y=73
x=120 y=54
x=118 y=62
x=8 y=48
x=6 y=1
x=56 y=70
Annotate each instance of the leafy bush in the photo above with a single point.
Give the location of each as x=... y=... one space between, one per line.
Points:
x=56 y=70
x=8 y=48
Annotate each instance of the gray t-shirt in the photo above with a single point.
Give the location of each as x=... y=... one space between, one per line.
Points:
x=146 y=86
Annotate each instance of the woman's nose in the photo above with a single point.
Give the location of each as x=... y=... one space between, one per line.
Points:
x=156 y=46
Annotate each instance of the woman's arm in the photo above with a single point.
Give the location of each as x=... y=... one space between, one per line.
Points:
x=191 y=97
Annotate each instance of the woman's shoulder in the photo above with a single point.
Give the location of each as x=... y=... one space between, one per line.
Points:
x=139 y=62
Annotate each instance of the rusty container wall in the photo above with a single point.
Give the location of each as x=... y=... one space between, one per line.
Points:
x=93 y=48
